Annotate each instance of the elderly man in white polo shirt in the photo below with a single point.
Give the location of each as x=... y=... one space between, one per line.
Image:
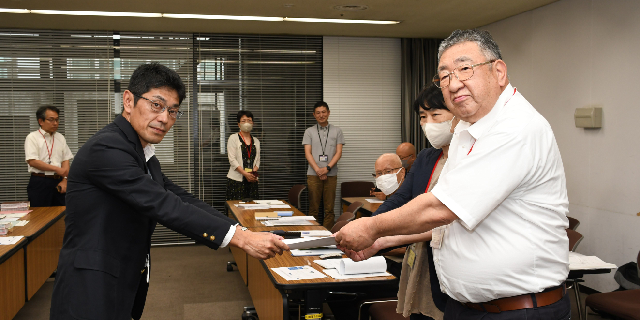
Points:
x=502 y=199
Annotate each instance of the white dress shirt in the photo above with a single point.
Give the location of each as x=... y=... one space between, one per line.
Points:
x=39 y=144
x=505 y=181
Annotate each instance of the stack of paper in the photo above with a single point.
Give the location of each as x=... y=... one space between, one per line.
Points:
x=251 y=206
x=349 y=269
x=374 y=200
x=314 y=233
x=581 y=262
x=14 y=214
x=290 y=221
x=269 y=202
x=313 y=252
x=310 y=242
x=298 y=273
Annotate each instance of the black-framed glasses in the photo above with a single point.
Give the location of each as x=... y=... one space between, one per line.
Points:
x=158 y=106
x=462 y=72
x=388 y=171
x=52 y=120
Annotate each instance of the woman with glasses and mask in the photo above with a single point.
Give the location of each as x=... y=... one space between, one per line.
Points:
x=419 y=294
x=243 y=150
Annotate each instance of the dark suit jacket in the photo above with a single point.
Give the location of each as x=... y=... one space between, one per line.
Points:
x=415 y=183
x=113 y=204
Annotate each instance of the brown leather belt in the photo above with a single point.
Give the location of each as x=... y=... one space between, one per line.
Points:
x=54 y=176
x=525 y=301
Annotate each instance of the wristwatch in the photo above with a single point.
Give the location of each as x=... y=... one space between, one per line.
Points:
x=329 y=168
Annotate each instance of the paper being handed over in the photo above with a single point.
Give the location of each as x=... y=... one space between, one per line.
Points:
x=310 y=242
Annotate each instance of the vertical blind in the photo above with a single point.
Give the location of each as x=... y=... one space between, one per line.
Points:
x=278 y=78
x=362 y=88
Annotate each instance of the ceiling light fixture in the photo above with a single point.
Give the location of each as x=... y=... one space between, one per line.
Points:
x=192 y=16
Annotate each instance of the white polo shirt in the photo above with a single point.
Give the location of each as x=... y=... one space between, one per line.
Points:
x=39 y=144
x=505 y=180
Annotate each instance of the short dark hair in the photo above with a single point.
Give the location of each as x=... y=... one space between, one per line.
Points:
x=152 y=76
x=429 y=98
x=244 y=113
x=320 y=104
x=40 y=113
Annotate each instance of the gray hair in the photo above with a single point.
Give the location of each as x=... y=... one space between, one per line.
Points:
x=481 y=37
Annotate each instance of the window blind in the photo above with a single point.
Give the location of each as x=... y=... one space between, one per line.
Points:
x=362 y=88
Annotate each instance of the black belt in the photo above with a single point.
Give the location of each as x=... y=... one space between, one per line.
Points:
x=54 y=176
x=525 y=301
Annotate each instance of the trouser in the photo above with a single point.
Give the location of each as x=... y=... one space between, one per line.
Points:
x=42 y=192
x=326 y=190
x=560 y=310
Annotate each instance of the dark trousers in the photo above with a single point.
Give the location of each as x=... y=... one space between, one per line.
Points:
x=419 y=316
x=42 y=192
x=560 y=310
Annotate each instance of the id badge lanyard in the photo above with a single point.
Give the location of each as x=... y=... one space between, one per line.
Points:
x=323 y=157
x=250 y=145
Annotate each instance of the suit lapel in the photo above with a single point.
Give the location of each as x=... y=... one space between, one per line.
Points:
x=133 y=138
x=156 y=172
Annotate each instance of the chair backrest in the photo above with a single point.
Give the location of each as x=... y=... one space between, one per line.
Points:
x=346 y=216
x=353 y=208
x=573 y=223
x=574 y=239
x=294 y=195
x=338 y=225
x=356 y=189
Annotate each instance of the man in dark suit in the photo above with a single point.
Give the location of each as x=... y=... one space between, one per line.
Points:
x=116 y=194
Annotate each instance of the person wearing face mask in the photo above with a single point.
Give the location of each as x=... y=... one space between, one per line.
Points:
x=389 y=173
x=419 y=294
x=243 y=150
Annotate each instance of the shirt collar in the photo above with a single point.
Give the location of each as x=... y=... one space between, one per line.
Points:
x=46 y=134
x=149 y=151
x=325 y=128
x=481 y=126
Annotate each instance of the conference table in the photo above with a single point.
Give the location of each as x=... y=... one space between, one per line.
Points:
x=26 y=265
x=271 y=294
x=367 y=208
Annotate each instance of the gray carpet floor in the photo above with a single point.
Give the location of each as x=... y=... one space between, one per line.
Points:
x=188 y=282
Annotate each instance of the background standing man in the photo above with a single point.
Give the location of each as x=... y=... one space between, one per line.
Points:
x=47 y=156
x=117 y=194
x=407 y=153
x=502 y=193
x=322 y=148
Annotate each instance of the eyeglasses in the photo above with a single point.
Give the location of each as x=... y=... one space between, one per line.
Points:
x=53 y=120
x=388 y=171
x=159 y=107
x=463 y=72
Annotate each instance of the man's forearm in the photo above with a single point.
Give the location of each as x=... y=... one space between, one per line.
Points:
x=394 y=241
x=41 y=165
x=421 y=214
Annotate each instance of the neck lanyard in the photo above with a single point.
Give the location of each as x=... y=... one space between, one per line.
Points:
x=50 y=152
x=432 y=171
x=505 y=103
x=249 y=145
x=326 y=141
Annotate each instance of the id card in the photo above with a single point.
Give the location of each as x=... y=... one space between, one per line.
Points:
x=411 y=255
x=324 y=158
x=248 y=170
x=437 y=236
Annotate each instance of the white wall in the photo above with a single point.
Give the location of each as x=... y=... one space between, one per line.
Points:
x=361 y=79
x=573 y=54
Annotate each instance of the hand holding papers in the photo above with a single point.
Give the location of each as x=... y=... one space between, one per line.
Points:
x=310 y=242
x=357 y=234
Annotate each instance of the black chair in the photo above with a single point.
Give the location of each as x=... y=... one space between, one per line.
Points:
x=356 y=189
x=294 y=195
x=622 y=304
x=573 y=223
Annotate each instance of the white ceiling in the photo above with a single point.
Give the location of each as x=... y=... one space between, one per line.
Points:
x=419 y=18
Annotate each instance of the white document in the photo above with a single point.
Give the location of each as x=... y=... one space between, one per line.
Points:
x=314 y=233
x=329 y=263
x=298 y=273
x=14 y=215
x=20 y=223
x=251 y=206
x=372 y=265
x=581 y=262
x=279 y=206
x=268 y=202
x=374 y=200
x=10 y=240
x=333 y=273
x=290 y=221
x=313 y=252
x=310 y=242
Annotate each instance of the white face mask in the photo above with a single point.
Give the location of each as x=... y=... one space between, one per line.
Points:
x=439 y=134
x=388 y=183
x=246 y=127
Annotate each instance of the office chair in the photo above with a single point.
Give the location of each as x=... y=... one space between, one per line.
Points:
x=356 y=189
x=573 y=223
x=380 y=310
x=622 y=304
x=294 y=195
